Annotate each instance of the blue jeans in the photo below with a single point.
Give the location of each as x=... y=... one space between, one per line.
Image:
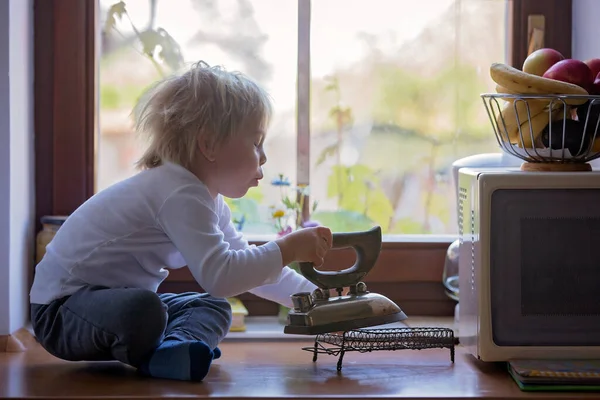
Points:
x=126 y=324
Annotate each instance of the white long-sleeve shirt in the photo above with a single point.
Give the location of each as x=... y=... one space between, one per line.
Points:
x=131 y=233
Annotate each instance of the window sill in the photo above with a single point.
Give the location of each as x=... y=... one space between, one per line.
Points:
x=407 y=239
x=269 y=328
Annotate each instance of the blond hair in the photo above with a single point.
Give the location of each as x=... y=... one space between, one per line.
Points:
x=204 y=103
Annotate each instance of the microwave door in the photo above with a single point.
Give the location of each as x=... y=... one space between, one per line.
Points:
x=545 y=267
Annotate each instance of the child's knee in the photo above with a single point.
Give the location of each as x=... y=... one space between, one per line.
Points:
x=143 y=308
x=218 y=305
x=226 y=313
x=222 y=305
x=144 y=319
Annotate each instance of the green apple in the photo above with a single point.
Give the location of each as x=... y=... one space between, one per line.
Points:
x=539 y=61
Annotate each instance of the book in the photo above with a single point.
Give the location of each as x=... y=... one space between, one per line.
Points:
x=556 y=375
x=239 y=312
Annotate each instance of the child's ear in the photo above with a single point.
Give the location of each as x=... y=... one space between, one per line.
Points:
x=207 y=148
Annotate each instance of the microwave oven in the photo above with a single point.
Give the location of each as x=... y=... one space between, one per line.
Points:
x=529 y=264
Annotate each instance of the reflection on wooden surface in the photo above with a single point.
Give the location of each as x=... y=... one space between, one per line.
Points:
x=267 y=370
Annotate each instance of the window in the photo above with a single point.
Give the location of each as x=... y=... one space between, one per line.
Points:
x=394 y=100
x=358 y=56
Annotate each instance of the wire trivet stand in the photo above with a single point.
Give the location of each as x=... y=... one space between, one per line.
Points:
x=368 y=340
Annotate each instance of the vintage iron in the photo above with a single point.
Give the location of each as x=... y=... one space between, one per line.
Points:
x=319 y=312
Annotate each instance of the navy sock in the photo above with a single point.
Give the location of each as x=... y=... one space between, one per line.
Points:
x=186 y=361
x=216 y=353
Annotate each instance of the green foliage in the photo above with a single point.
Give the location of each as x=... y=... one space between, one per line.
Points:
x=341 y=116
x=115 y=12
x=255 y=194
x=432 y=107
x=439 y=206
x=404 y=226
x=327 y=152
x=114 y=97
x=361 y=193
x=157 y=45
x=395 y=152
x=343 y=220
x=293 y=198
x=109 y=97
x=247 y=206
x=421 y=124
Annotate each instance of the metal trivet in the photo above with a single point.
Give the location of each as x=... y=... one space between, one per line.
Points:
x=367 y=340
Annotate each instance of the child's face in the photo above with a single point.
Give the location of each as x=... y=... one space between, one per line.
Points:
x=238 y=163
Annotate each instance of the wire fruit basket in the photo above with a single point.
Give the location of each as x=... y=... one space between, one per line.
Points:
x=548 y=132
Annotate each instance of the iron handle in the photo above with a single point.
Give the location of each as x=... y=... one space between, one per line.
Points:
x=366 y=244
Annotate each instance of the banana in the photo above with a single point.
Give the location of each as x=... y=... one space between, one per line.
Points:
x=535 y=127
x=557 y=101
x=502 y=90
x=517 y=81
x=507 y=120
x=596 y=146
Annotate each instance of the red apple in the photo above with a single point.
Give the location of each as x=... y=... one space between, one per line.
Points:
x=595 y=88
x=594 y=65
x=572 y=71
x=540 y=60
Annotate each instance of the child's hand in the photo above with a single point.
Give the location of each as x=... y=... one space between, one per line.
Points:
x=306 y=245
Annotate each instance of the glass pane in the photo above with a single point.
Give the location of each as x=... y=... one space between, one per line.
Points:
x=258 y=38
x=395 y=100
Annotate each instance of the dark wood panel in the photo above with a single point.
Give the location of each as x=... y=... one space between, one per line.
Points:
x=65 y=92
x=558 y=15
x=43 y=89
x=408 y=273
x=415 y=298
x=398 y=261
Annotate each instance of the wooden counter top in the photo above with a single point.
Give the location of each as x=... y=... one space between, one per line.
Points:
x=270 y=369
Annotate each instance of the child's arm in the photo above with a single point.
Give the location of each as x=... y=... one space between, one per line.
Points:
x=190 y=218
x=289 y=281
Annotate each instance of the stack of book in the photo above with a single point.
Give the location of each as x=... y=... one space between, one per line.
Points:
x=556 y=375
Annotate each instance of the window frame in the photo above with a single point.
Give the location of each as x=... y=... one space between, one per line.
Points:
x=66 y=133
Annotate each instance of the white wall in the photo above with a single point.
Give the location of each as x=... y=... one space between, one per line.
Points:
x=585 y=34
x=586 y=30
x=16 y=162
x=4 y=172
